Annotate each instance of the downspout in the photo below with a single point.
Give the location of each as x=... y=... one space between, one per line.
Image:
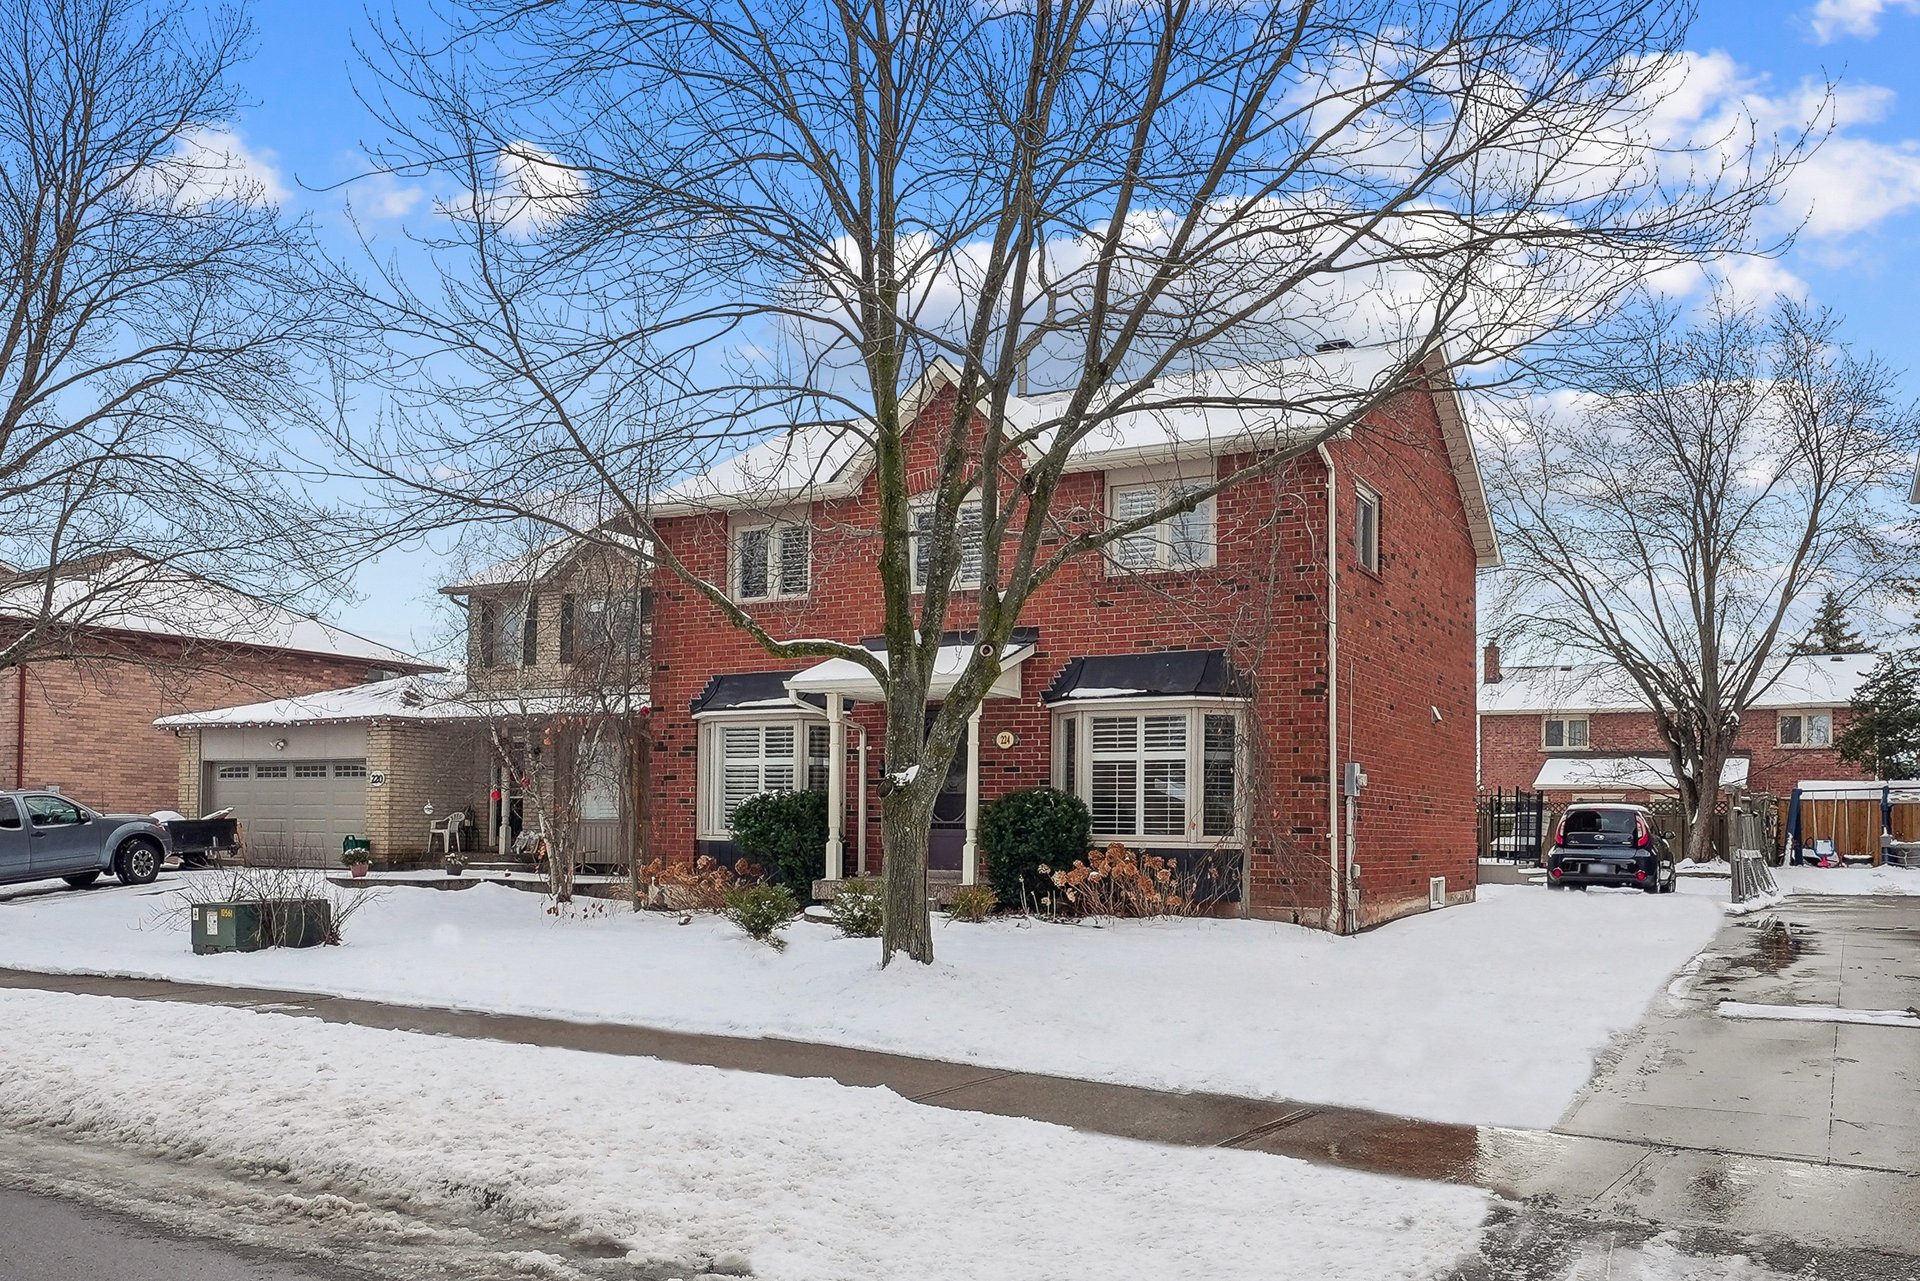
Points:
x=1334 y=915
x=20 y=727
x=860 y=840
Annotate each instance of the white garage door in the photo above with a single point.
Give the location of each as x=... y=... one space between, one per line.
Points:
x=293 y=811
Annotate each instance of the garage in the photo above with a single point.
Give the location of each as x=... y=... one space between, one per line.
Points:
x=293 y=811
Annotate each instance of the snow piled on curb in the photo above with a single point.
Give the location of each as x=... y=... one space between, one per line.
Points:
x=1478 y=1014
x=1817 y=1014
x=696 y=1169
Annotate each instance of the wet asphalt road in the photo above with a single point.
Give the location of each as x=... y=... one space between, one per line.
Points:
x=47 y=1239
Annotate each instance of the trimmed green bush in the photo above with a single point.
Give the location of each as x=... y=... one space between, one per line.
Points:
x=972 y=903
x=786 y=832
x=761 y=911
x=1025 y=829
x=856 y=908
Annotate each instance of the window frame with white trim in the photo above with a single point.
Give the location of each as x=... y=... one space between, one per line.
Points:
x=806 y=768
x=1566 y=721
x=963 y=581
x=1178 y=543
x=1078 y=752
x=1804 y=719
x=779 y=535
x=1366 y=527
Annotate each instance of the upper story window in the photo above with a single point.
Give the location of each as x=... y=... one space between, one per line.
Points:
x=603 y=627
x=772 y=562
x=1184 y=540
x=972 y=547
x=1366 y=528
x=1167 y=775
x=1806 y=729
x=1563 y=732
x=509 y=632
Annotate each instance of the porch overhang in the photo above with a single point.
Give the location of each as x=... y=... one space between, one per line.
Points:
x=850 y=680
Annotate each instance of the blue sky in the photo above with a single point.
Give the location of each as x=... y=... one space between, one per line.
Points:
x=1860 y=196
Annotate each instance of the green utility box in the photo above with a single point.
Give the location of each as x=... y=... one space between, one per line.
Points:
x=248 y=927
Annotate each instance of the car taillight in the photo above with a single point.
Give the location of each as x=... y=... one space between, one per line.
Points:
x=1640 y=875
x=1553 y=871
x=1642 y=834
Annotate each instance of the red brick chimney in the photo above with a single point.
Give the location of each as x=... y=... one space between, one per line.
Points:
x=1490 y=663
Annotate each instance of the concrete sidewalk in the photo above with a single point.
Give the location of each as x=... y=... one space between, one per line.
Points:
x=1581 y=1175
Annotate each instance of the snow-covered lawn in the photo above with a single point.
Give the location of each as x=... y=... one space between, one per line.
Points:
x=1848 y=880
x=690 y=1167
x=1488 y=1013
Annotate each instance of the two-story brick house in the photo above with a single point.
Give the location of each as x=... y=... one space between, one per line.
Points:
x=1583 y=732
x=133 y=639
x=1203 y=686
x=541 y=727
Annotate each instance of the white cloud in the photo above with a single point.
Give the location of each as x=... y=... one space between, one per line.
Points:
x=532 y=191
x=381 y=195
x=212 y=164
x=1832 y=19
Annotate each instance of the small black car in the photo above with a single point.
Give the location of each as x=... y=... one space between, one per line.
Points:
x=1610 y=844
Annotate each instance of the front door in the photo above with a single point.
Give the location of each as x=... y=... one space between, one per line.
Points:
x=947 y=837
x=13 y=843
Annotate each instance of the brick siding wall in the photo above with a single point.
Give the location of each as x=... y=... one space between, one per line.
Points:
x=1511 y=754
x=1265 y=600
x=89 y=725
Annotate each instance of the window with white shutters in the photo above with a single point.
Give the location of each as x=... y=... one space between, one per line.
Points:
x=1184 y=540
x=772 y=562
x=742 y=759
x=1135 y=770
x=972 y=547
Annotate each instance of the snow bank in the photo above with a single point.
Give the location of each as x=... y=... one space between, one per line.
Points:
x=1848 y=880
x=1817 y=1014
x=1482 y=1013
x=689 y=1168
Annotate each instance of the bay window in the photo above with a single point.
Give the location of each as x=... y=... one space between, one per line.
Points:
x=1160 y=775
x=741 y=759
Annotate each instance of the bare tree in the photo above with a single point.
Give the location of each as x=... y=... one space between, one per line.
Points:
x=670 y=230
x=158 y=319
x=1685 y=508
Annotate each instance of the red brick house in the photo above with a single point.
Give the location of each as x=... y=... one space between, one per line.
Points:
x=1203 y=687
x=138 y=641
x=1582 y=732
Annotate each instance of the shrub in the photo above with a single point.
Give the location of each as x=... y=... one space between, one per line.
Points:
x=787 y=831
x=1025 y=829
x=972 y=903
x=760 y=910
x=699 y=886
x=856 y=908
x=1118 y=882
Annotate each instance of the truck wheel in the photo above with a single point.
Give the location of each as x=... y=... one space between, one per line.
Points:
x=82 y=880
x=138 y=861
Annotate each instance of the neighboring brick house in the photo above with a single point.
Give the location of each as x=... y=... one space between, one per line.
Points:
x=556 y=640
x=136 y=641
x=1583 y=732
x=1203 y=686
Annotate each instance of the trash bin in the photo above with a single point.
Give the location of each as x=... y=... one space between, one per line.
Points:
x=356 y=844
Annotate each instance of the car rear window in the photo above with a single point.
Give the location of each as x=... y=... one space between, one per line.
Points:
x=1600 y=822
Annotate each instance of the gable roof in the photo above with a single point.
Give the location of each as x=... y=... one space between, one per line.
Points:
x=543 y=561
x=1199 y=416
x=1805 y=680
x=129 y=592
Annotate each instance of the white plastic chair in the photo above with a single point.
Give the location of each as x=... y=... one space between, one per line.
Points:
x=448 y=832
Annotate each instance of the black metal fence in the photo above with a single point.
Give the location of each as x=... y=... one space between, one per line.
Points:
x=1513 y=825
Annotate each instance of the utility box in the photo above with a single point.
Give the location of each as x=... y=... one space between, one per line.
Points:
x=250 y=926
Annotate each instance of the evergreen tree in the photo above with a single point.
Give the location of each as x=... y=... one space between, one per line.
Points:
x=1830 y=633
x=1883 y=734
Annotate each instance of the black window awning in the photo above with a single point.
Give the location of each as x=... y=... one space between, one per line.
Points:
x=744 y=691
x=1182 y=673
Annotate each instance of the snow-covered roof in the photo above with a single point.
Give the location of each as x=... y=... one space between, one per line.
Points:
x=1807 y=680
x=1195 y=415
x=131 y=593
x=534 y=565
x=1623 y=774
x=845 y=677
x=437 y=696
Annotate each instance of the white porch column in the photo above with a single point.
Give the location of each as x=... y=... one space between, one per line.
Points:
x=970 y=852
x=836 y=786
